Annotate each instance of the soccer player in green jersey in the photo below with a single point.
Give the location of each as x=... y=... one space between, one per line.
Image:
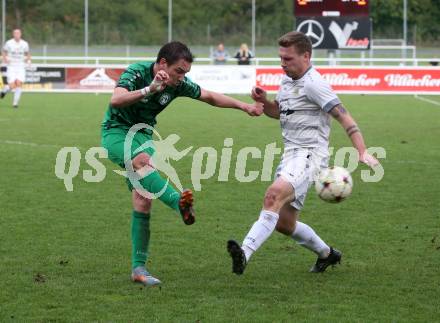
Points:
x=142 y=92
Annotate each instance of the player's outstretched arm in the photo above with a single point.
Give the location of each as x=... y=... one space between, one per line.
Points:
x=223 y=101
x=348 y=123
x=270 y=108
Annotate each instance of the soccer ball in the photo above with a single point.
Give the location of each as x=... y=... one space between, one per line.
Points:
x=334 y=184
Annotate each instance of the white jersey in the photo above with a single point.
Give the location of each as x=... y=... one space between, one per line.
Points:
x=304 y=105
x=16 y=52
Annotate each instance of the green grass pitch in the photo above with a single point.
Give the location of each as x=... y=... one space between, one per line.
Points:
x=64 y=256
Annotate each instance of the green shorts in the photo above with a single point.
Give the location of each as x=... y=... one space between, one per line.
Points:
x=113 y=140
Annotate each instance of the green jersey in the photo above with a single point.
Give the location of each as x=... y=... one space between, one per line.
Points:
x=136 y=77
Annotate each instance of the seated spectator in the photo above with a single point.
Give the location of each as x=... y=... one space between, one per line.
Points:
x=244 y=55
x=220 y=55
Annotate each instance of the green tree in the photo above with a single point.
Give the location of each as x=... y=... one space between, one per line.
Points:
x=197 y=22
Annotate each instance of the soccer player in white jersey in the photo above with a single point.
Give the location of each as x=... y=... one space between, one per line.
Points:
x=15 y=55
x=303 y=105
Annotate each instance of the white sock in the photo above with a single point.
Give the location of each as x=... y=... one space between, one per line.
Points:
x=17 y=95
x=6 y=88
x=260 y=231
x=307 y=237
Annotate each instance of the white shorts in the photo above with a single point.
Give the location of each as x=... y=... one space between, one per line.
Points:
x=299 y=166
x=15 y=73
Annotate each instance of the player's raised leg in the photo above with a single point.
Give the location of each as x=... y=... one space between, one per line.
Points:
x=154 y=183
x=278 y=194
x=305 y=236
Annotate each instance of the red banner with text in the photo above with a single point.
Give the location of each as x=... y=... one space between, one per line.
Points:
x=364 y=79
x=92 y=78
x=241 y=79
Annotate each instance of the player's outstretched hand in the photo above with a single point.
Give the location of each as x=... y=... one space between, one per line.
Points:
x=368 y=159
x=258 y=94
x=159 y=81
x=254 y=110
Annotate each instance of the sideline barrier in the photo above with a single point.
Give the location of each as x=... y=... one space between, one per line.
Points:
x=240 y=79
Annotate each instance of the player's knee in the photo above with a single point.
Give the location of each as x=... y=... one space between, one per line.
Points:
x=141 y=161
x=272 y=196
x=144 y=207
x=141 y=204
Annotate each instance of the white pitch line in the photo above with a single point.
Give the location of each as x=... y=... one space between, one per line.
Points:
x=31 y=144
x=426 y=100
x=410 y=162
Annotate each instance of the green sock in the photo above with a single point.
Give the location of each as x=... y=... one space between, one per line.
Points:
x=154 y=183
x=140 y=238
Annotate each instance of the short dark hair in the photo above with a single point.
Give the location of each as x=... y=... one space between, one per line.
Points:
x=298 y=40
x=173 y=51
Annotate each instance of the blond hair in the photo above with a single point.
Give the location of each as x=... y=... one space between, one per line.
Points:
x=244 y=50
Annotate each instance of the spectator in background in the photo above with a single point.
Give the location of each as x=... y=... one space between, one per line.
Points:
x=244 y=55
x=220 y=55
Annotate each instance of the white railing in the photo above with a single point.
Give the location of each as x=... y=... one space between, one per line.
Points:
x=334 y=58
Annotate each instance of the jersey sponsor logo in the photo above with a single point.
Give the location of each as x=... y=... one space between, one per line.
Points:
x=164 y=98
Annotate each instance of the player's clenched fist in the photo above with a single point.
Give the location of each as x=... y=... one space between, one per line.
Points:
x=254 y=110
x=258 y=94
x=159 y=81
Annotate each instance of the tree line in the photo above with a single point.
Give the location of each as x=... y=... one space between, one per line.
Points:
x=197 y=22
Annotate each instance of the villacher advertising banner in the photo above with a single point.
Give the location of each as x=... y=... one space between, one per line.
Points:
x=398 y=80
x=240 y=80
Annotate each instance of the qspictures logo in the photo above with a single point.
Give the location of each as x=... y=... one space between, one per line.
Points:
x=226 y=163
